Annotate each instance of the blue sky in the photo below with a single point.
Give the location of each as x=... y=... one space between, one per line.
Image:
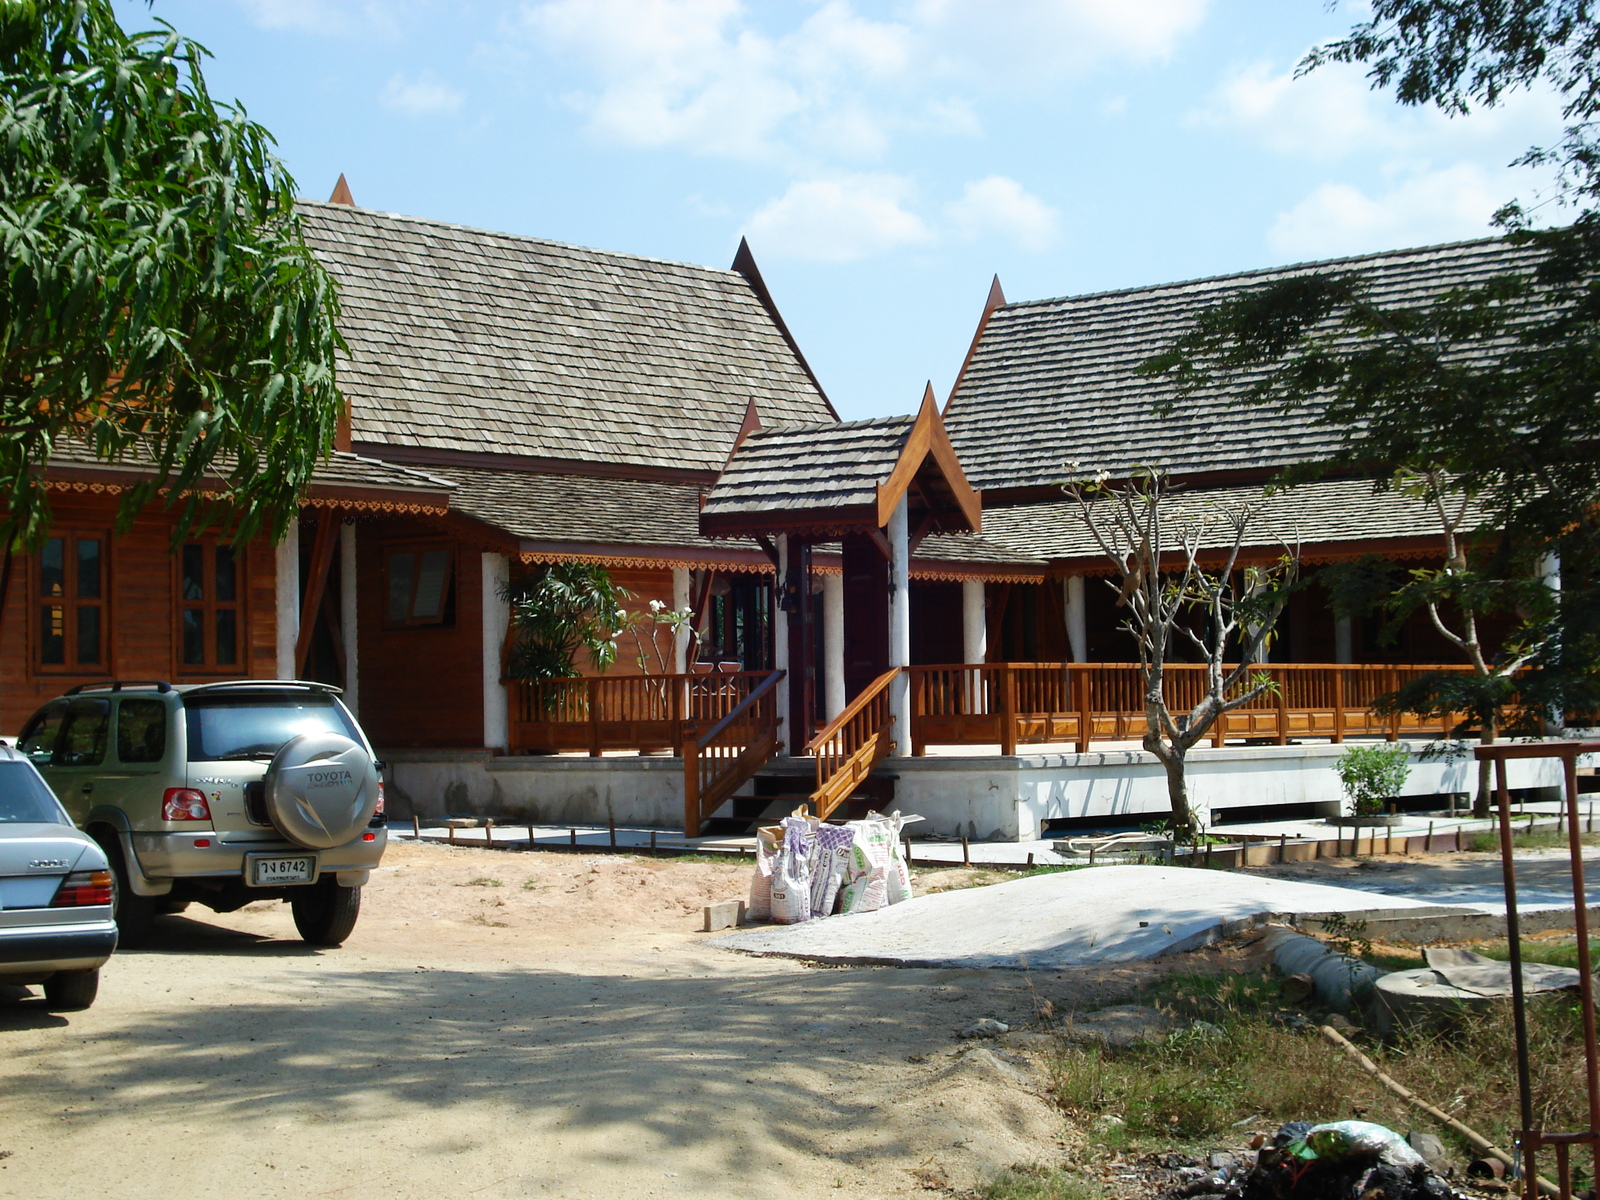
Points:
x=884 y=159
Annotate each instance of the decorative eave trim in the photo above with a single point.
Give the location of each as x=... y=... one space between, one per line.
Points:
x=527 y=557
x=353 y=503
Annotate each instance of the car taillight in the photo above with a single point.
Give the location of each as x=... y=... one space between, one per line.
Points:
x=378 y=812
x=185 y=804
x=83 y=887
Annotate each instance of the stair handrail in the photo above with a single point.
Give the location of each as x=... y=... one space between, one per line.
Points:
x=761 y=689
x=760 y=751
x=834 y=782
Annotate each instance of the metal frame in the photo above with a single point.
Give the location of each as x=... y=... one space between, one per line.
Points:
x=1530 y=1139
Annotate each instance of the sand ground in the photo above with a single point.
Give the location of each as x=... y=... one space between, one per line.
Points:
x=522 y=1025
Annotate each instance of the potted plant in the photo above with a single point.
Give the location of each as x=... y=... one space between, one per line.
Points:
x=1371 y=776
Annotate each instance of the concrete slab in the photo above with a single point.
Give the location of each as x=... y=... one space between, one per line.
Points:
x=1096 y=915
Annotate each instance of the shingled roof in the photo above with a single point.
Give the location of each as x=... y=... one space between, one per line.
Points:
x=1327 y=519
x=818 y=467
x=1053 y=382
x=468 y=340
x=843 y=475
x=627 y=521
x=342 y=478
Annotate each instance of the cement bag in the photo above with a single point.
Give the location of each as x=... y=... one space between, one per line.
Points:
x=899 y=874
x=867 y=889
x=791 y=874
x=760 y=906
x=830 y=865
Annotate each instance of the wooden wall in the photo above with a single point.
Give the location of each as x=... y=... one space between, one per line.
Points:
x=421 y=686
x=142 y=629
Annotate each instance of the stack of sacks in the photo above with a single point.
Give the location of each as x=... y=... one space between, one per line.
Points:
x=806 y=869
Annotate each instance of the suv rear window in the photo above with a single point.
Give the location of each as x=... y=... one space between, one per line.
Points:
x=24 y=798
x=255 y=725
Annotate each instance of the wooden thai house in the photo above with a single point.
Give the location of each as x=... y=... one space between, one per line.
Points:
x=858 y=588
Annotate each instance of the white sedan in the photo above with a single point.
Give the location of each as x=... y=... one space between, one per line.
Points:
x=55 y=892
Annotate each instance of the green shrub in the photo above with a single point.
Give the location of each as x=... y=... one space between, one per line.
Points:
x=1371 y=775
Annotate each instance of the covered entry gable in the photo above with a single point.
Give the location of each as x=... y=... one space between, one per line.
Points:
x=825 y=480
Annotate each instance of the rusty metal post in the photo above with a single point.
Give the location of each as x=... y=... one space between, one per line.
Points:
x=1580 y=926
x=1519 y=1003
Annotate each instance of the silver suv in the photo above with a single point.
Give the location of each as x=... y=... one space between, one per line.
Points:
x=221 y=793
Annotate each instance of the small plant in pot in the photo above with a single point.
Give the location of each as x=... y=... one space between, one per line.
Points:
x=1372 y=776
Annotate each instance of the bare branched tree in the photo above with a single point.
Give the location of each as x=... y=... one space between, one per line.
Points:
x=1457 y=595
x=1155 y=544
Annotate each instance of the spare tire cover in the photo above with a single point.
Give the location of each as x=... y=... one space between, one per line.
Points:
x=321 y=790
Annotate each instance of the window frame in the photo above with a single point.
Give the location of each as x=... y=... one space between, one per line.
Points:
x=419 y=547
x=71 y=602
x=209 y=605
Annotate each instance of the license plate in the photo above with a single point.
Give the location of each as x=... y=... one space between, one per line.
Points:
x=269 y=872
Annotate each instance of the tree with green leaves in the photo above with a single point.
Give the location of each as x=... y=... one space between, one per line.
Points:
x=1154 y=542
x=1493 y=387
x=159 y=304
x=561 y=612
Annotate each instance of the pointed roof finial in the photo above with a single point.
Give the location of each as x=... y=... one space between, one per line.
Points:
x=997 y=298
x=341 y=193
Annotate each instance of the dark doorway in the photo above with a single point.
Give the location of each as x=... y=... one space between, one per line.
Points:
x=866 y=612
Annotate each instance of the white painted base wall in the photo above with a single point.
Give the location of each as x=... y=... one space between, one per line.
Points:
x=989 y=799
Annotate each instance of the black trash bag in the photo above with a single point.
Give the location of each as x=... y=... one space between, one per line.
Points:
x=1344 y=1160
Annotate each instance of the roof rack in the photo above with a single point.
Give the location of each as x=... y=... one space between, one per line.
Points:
x=116 y=685
x=309 y=685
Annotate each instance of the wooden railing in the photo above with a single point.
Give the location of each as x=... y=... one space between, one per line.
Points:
x=622 y=712
x=851 y=744
x=1007 y=704
x=719 y=761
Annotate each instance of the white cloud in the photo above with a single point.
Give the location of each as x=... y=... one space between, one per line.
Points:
x=1333 y=112
x=1448 y=204
x=705 y=75
x=1021 y=41
x=327 y=16
x=839 y=220
x=1001 y=205
x=421 y=97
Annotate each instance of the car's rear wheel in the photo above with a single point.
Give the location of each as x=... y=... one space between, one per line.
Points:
x=324 y=912
x=168 y=907
x=71 y=991
x=133 y=914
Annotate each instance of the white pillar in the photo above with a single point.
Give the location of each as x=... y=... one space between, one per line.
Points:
x=1343 y=640
x=496 y=621
x=974 y=622
x=832 y=645
x=780 y=646
x=288 y=600
x=1077 y=619
x=680 y=602
x=1550 y=573
x=899 y=532
x=347 y=616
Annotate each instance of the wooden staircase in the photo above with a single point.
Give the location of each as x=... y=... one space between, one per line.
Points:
x=837 y=783
x=785 y=785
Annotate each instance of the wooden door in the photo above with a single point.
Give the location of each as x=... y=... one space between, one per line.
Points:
x=866 y=613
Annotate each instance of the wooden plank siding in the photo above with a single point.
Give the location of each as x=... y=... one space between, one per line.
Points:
x=141 y=621
x=421 y=685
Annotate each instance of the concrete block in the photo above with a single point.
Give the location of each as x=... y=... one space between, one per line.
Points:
x=725 y=914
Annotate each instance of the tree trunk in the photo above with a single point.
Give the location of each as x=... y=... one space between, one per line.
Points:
x=1480 y=803
x=1184 y=824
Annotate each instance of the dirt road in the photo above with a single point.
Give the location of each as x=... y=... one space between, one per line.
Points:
x=519 y=1025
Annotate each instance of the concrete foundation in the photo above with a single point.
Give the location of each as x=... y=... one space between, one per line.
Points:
x=984 y=798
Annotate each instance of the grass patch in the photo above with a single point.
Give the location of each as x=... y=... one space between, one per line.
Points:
x=481 y=881
x=1486 y=841
x=1248 y=1065
x=1038 y=1183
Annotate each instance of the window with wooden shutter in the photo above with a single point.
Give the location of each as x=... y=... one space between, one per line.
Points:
x=210 y=585
x=72 y=633
x=418 y=583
